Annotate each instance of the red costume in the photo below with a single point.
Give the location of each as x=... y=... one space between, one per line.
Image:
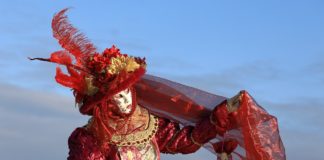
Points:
x=166 y=117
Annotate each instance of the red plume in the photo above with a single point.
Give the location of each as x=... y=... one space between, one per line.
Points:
x=75 y=81
x=61 y=57
x=70 y=38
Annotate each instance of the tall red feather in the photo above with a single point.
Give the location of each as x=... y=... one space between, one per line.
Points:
x=70 y=38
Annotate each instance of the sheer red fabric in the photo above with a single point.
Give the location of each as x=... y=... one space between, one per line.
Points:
x=255 y=130
x=175 y=101
x=260 y=131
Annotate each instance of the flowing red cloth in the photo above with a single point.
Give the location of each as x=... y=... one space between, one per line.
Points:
x=175 y=101
x=251 y=126
x=260 y=131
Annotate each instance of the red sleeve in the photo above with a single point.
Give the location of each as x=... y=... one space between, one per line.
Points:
x=172 y=139
x=83 y=146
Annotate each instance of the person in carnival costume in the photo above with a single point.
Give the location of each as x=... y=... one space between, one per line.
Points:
x=136 y=116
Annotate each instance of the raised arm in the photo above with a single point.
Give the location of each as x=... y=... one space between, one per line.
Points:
x=172 y=139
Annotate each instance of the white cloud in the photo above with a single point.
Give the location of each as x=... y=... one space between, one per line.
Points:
x=34 y=124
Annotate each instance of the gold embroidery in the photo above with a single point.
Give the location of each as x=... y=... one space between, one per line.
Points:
x=139 y=138
x=149 y=152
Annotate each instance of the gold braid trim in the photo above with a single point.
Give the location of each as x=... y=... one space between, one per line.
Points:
x=138 y=138
x=211 y=120
x=195 y=142
x=170 y=141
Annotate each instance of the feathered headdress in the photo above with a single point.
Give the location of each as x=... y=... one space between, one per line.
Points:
x=92 y=76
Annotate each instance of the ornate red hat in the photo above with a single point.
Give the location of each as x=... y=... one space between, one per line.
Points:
x=94 y=77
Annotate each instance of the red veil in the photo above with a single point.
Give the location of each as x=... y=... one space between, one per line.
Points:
x=257 y=131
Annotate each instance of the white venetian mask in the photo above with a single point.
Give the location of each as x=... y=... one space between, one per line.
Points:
x=123 y=100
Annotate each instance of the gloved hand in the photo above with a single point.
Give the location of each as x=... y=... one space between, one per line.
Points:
x=234 y=102
x=223 y=156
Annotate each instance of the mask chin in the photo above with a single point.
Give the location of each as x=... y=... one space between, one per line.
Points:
x=124 y=115
x=133 y=106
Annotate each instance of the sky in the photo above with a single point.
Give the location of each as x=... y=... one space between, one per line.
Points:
x=273 y=49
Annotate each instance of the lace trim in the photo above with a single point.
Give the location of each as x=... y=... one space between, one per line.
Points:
x=137 y=138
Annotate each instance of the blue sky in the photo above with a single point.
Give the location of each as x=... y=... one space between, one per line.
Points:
x=273 y=49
